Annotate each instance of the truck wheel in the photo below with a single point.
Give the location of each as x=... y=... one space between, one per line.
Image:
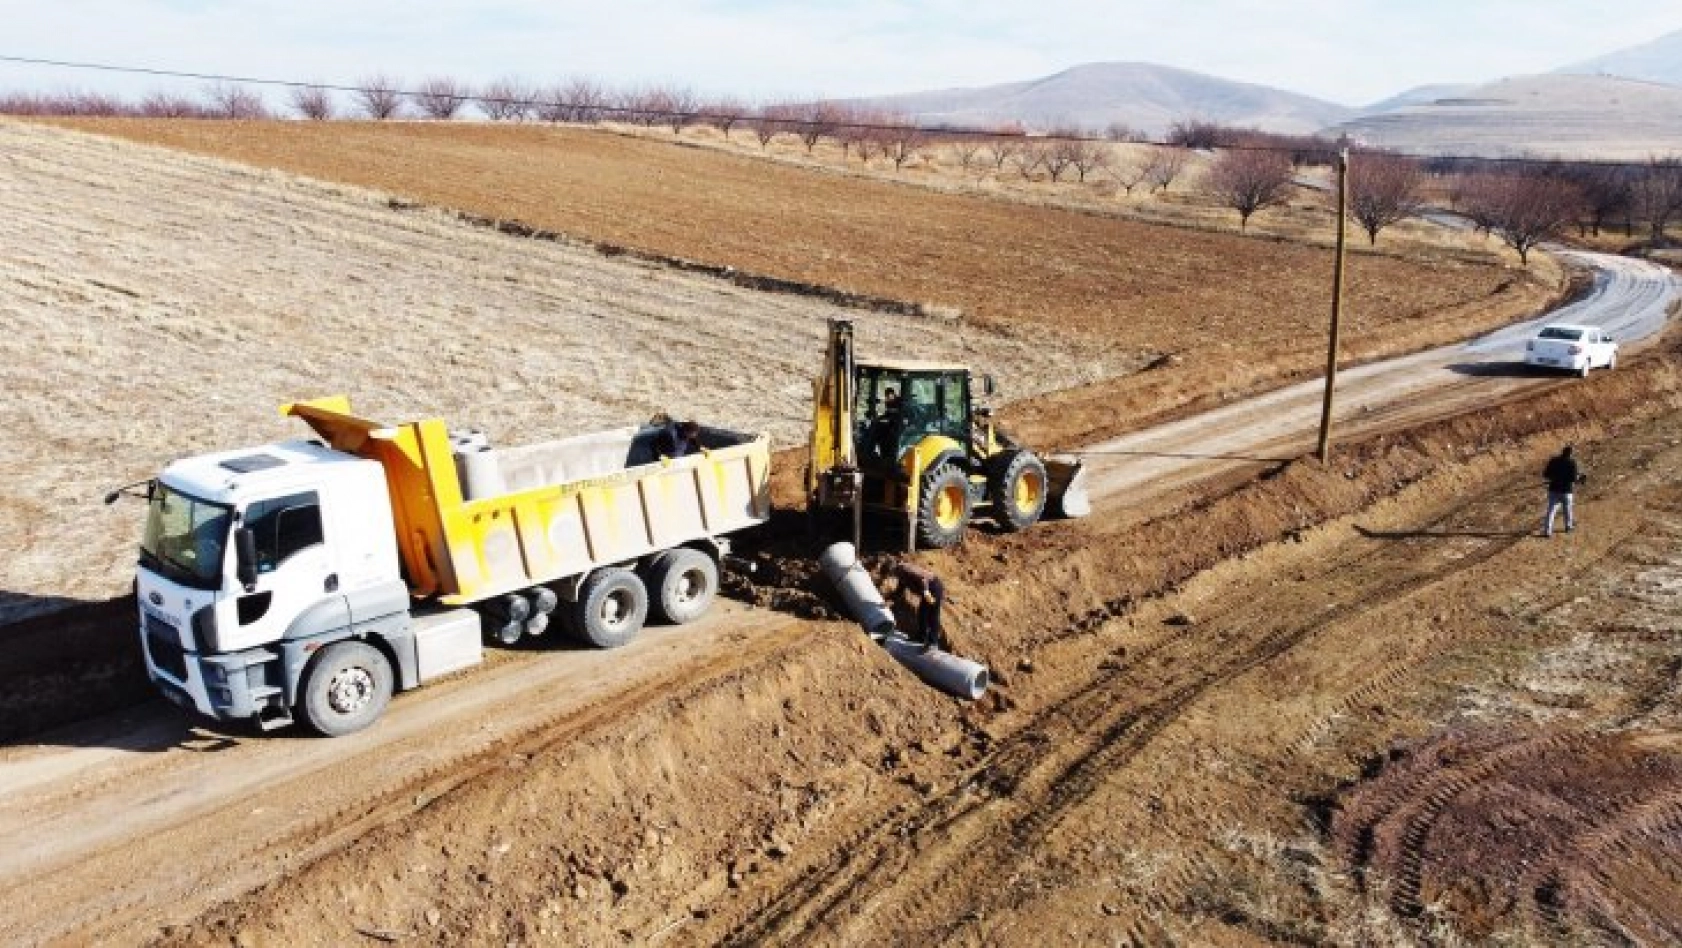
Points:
x=681 y=585
x=943 y=508
x=611 y=607
x=1018 y=489
x=345 y=689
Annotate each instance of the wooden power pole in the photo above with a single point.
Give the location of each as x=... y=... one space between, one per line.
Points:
x=1325 y=450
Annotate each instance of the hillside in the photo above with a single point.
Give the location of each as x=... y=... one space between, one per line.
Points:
x=1553 y=116
x=1657 y=61
x=1143 y=96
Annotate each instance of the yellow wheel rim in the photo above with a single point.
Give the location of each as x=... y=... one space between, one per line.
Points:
x=1029 y=489
x=949 y=506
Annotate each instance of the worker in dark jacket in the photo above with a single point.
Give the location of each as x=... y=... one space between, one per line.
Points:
x=928 y=594
x=679 y=439
x=1563 y=474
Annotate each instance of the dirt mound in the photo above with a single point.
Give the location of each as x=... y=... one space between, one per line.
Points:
x=1570 y=835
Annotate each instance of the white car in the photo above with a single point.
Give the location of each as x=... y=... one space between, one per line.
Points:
x=1573 y=348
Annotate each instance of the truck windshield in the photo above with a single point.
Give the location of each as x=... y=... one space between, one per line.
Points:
x=185 y=537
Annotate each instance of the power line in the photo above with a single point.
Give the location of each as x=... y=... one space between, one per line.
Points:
x=811 y=125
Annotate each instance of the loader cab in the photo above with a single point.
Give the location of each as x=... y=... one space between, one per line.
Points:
x=901 y=403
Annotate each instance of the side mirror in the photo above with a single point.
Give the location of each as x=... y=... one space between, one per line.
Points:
x=245 y=558
x=987 y=387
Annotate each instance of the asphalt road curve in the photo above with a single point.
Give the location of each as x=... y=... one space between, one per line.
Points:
x=1630 y=298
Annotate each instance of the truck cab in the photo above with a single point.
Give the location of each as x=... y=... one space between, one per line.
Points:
x=251 y=561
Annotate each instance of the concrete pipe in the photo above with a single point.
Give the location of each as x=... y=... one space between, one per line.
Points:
x=948 y=672
x=841 y=567
x=951 y=674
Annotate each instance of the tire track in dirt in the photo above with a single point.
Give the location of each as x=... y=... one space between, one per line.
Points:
x=1021 y=791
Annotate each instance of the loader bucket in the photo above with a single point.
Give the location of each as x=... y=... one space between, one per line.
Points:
x=1068 y=497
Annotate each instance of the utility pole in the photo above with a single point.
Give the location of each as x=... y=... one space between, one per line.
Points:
x=1325 y=450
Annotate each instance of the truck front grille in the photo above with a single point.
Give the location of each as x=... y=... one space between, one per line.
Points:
x=163 y=643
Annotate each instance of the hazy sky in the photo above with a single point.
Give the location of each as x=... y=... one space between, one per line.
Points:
x=1348 y=51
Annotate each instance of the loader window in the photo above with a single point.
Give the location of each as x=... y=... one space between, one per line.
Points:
x=284 y=526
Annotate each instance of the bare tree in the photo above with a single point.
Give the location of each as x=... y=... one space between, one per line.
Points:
x=1656 y=195
x=1166 y=164
x=585 y=99
x=1028 y=157
x=441 y=97
x=903 y=140
x=378 y=97
x=505 y=100
x=817 y=122
x=1131 y=170
x=773 y=120
x=674 y=107
x=166 y=105
x=1119 y=131
x=1086 y=156
x=230 y=100
x=1522 y=208
x=967 y=149
x=723 y=114
x=1384 y=189
x=1000 y=151
x=551 y=105
x=313 y=102
x=1249 y=180
x=1606 y=191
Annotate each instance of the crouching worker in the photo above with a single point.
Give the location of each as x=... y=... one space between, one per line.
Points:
x=923 y=594
x=678 y=439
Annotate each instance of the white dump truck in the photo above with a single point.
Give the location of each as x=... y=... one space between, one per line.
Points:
x=310 y=579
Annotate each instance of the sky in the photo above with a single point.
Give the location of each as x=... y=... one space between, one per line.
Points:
x=1352 y=52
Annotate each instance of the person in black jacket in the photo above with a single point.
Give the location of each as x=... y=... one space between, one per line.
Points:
x=678 y=439
x=1563 y=474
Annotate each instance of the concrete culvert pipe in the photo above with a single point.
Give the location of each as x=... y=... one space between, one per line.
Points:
x=840 y=566
x=948 y=672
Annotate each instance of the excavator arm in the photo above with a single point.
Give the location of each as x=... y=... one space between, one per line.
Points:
x=833 y=481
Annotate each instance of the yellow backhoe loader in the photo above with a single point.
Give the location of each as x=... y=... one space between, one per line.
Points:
x=908 y=441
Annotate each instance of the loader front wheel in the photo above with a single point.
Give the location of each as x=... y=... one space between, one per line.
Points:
x=943 y=509
x=1018 y=489
x=611 y=608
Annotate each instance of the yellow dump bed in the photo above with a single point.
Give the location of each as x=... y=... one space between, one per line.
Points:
x=473 y=522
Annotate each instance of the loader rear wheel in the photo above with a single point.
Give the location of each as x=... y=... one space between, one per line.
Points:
x=1018 y=489
x=345 y=689
x=681 y=585
x=943 y=509
x=612 y=605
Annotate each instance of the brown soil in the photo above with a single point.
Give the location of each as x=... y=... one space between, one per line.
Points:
x=1201 y=709
x=1178 y=705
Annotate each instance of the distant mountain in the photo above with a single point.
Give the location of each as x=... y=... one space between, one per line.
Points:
x=1657 y=61
x=1145 y=97
x=1418 y=95
x=1567 y=116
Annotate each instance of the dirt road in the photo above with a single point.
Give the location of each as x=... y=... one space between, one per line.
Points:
x=125 y=824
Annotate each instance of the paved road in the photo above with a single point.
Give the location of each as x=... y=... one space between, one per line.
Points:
x=1631 y=298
